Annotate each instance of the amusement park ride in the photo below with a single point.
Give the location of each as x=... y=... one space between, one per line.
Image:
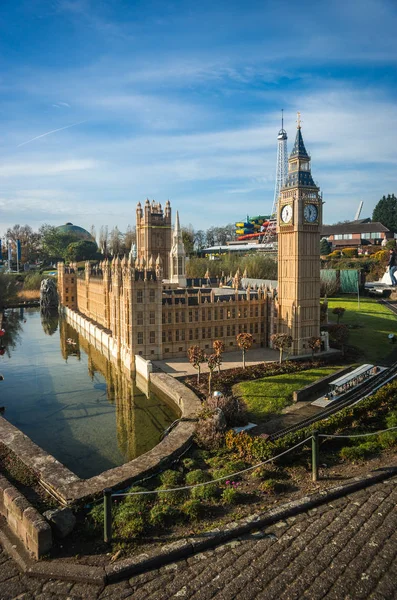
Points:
x=263 y=228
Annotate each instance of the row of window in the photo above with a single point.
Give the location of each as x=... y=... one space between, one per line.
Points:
x=207 y=314
x=371 y=236
x=204 y=333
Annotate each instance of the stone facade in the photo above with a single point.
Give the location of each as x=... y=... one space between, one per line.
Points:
x=299 y=222
x=147 y=317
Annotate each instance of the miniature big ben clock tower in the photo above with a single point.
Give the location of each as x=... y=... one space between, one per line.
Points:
x=299 y=220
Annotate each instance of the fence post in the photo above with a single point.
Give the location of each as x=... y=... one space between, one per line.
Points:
x=107 y=510
x=315 y=455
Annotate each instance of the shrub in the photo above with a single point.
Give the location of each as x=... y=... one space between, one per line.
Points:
x=189 y=463
x=230 y=495
x=272 y=486
x=193 y=509
x=207 y=435
x=381 y=256
x=163 y=514
x=234 y=409
x=197 y=476
x=33 y=281
x=389 y=438
x=361 y=451
x=349 y=252
x=205 y=492
x=171 y=478
x=172 y=498
x=139 y=503
x=129 y=526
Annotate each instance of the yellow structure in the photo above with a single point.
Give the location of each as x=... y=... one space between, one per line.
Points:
x=299 y=222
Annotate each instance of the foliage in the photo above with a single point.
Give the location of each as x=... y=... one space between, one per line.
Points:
x=391 y=244
x=272 y=486
x=197 y=476
x=349 y=252
x=188 y=239
x=171 y=478
x=219 y=348
x=233 y=408
x=196 y=356
x=193 y=509
x=213 y=361
x=30 y=241
x=334 y=254
x=244 y=342
x=281 y=341
x=360 y=451
x=385 y=212
x=338 y=334
x=339 y=312
x=230 y=494
x=81 y=250
x=8 y=290
x=33 y=281
x=256 y=265
x=381 y=256
x=207 y=435
x=205 y=492
x=54 y=242
x=325 y=247
x=314 y=344
x=163 y=514
x=189 y=463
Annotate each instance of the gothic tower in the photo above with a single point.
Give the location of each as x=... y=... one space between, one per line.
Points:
x=299 y=221
x=178 y=257
x=153 y=232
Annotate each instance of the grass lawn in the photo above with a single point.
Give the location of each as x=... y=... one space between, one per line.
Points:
x=270 y=395
x=370 y=325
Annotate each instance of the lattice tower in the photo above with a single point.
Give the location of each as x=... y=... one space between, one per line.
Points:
x=281 y=174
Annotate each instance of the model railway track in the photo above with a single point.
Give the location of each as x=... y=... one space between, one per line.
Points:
x=390 y=306
x=351 y=397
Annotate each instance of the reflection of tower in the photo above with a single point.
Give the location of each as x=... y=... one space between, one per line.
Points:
x=281 y=174
x=298 y=227
x=153 y=232
x=178 y=256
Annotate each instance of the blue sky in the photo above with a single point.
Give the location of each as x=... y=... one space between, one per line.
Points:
x=181 y=101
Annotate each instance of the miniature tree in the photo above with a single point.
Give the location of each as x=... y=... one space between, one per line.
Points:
x=281 y=341
x=339 y=334
x=339 y=312
x=244 y=342
x=314 y=344
x=219 y=348
x=212 y=362
x=196 y=357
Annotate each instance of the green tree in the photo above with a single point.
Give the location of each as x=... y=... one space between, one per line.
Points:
x=386 y=212
x=54 y=243
x=325 y=247
x=82 y=250
x=30 y=241
x=188 y=239
x=339 y=312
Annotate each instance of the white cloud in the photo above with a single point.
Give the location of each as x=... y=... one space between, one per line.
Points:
x=40 y=169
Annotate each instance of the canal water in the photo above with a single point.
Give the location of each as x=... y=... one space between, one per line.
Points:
x=70 y=400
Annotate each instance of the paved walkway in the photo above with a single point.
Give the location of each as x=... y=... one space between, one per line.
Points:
x=345 y=549
x=178 y=367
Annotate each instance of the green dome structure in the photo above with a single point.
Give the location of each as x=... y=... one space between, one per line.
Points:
x=78 y=232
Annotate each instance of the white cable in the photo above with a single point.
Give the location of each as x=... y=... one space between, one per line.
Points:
x=189 y=487
x=357 y=434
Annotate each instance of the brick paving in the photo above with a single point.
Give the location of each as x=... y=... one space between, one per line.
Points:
x=345 y=549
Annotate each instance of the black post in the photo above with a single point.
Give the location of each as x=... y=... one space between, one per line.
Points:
x=315 y=457
x=107 y=510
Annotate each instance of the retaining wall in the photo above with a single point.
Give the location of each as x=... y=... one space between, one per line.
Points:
x=308 y=391
x=24 y=520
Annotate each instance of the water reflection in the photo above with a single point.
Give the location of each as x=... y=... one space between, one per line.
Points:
x=49 y=321
x=11 y=325
x=73 y=402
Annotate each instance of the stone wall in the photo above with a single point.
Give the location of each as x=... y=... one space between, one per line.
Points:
x=24 y=520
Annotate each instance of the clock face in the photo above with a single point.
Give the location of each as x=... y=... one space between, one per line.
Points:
x=286 y=213
x=310 y=213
